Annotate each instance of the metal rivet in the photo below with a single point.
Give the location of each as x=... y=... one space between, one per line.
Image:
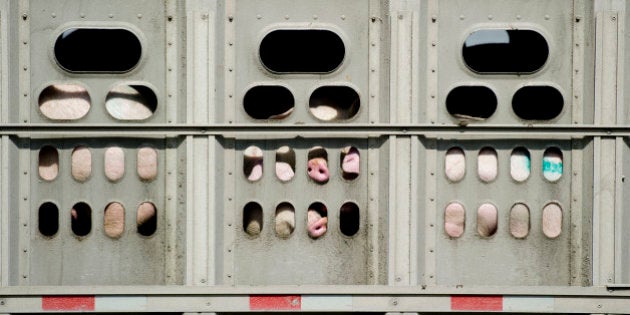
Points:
x=461 y=17
x=286 y=17
x=230 y=43
x=614 y=18
x=24 y=16
x=490 y=17
x=82 y=15
x=547 y=17
x=433 y=18
x=54 y=15
x=258 y=16
x=343 y=17
x=398 y=279
x=202 y=280
x=400 y=16
x=139 y=16
x=315 y=17
x=518 y=17
x=111 y=15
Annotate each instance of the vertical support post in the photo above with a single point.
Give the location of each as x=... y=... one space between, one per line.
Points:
x=605 y=159
x=399 y=211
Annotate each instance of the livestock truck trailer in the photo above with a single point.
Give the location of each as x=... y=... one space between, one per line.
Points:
x=402 y=156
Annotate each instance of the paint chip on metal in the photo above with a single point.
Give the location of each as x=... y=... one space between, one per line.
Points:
x=275 y=302
x=476 y=303
x=68 y=303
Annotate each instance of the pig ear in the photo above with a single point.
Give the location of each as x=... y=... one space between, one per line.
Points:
x=285 y=164
x=253 y=163
x=285 y=220
x=487 y=164
x=114 y=220
x=252 y=219
x=146 y=219
x=487 y=215
x=64 y=102
x=350 y=163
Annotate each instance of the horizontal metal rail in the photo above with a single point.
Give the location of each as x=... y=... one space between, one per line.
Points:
x=312 y=130
x=314 y=298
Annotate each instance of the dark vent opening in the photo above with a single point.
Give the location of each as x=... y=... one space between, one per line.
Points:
x=329 y=103
x=252 y=219
x=48 y=219
x=81 y=219
x=349 y=219
x=505 y=51
x=302 y=51
x=268 y=102
x=97 y=50
x=471 y=102
x=537 y=103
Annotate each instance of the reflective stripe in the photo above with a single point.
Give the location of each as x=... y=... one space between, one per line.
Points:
x=477 y=303
x=68 y=303
x=275 y=302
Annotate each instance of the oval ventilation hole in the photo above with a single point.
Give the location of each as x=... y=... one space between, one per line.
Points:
x=505 y=51
x=114 y=163
x=97 y=50
x=285 y=163
x=48 y=219
x=552 y=164
x=81 y=219
x=147 y=163
x=520 y=164
x=285 y=220
x=537 y=103
x=330 y=103
x=48 y=163
x=317 y=220
x=268 y=102
x=552 y=220
x=317 y=166
x=471 y=103
x=64 y=102
x=252 y=219
x=253 y=163
x=349 y=218
x=114 y=220
x=131 y=102
x=487 y=164
x=302 y=51
x=81 y=163
x=519 y=220
x=146 y=219
x=455 y=164
x=454 y=219
x=487 y=220
x=350 y=163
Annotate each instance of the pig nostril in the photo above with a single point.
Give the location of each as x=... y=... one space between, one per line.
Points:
x=310 y=169
x=321 y=171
